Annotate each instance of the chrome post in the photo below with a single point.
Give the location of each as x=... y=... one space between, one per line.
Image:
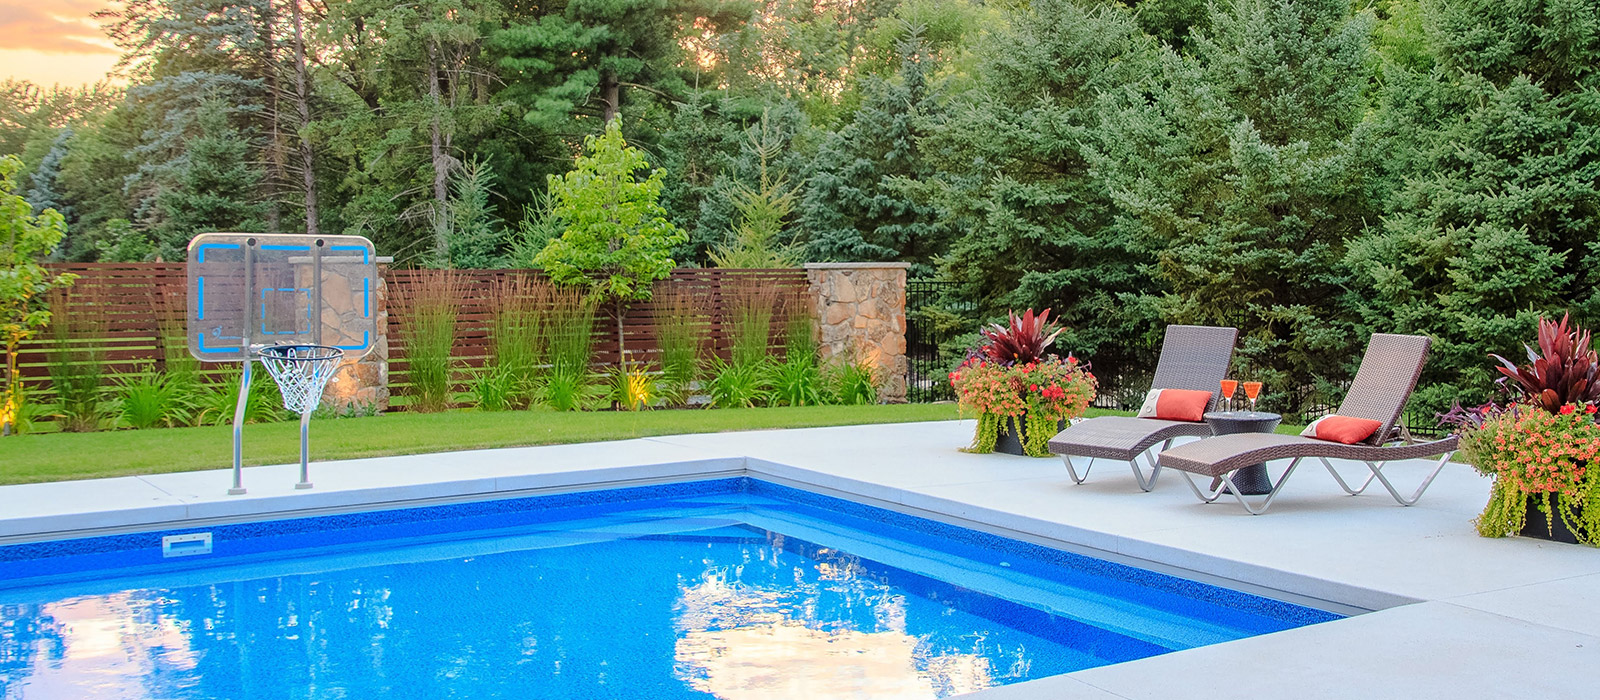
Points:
x=305 y=469
x=238 y=431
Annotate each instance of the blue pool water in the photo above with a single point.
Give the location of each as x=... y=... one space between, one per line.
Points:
x=722 y=589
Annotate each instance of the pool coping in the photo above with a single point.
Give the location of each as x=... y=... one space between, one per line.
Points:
x=1541 y=617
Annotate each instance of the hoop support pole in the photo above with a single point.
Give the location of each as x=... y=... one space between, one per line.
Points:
x=238 y=431
x=305 y=468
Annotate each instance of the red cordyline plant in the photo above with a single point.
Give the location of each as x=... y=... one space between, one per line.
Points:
x=1022 y=340
x=1561 y=372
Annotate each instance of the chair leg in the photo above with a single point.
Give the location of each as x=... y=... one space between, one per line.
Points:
x=1340 y=478
x=1073 y=472
x=1155 y=468
x=1226 y=486
x=1377 y=471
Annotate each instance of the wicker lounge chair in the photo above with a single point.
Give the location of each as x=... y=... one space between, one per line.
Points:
x=1379 y=392
x=1192 y=357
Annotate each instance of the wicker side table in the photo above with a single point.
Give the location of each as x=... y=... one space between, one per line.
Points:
x=1252 y=480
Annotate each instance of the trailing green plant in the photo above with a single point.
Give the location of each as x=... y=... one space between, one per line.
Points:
x=750 y=325
x=428 y=307
x=681 y=334
x=735 y=384
x=150 y=399
x=518 y=338
x=77 y=365
x=1561 y=372
x=853 y=380
x=1546 y=460
x=632 y=386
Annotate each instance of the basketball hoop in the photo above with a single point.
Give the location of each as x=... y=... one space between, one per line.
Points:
x=301 y=372
x=297 y=303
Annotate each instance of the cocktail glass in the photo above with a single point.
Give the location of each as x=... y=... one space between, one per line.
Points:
x=1252 y=390
x=1228 y=387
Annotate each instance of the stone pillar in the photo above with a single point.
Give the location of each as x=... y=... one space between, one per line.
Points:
x=861 y=311
x=361 y=386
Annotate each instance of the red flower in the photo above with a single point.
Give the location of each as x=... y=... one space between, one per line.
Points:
x=1033 y=387
x=1589 y=408
x=1568 y=409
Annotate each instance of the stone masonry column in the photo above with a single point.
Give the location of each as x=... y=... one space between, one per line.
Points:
x=361 y=387
x=861 y=312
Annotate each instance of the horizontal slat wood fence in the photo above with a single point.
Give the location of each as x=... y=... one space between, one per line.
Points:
x=129 y=316
x=715 y=292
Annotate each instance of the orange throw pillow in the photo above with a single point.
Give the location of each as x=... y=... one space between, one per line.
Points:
x=1176 y=404
x=1342 y=429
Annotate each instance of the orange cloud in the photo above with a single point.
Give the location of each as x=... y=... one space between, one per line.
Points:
x=52 y=26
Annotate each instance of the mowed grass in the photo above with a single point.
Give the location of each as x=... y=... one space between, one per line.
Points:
x=65 y=456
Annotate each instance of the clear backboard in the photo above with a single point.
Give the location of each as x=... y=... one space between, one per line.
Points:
x=251 y=290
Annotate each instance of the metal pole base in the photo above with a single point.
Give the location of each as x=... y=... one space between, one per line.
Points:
x=236 y=492
x=303 y=485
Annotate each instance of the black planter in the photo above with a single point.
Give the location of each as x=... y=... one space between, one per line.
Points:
x=1538 y=527
x=1010 y=443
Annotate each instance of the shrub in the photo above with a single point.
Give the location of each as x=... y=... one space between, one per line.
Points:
x=215 y=402
x=854 y=381
x=798 y=380
x=633 y=386
x=494 y=388
x=428 y=308
x=1022 y=340
x=735 y=384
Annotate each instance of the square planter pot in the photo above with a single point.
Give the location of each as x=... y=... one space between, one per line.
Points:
x=1539 y=527
x=1010 y=443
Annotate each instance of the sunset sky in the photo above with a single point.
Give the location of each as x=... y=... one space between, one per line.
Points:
x=53 y=41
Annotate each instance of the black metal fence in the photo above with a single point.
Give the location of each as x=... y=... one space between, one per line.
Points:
x=927 y=373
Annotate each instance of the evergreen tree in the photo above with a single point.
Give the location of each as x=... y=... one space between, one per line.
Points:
x=216 y=185
x=1014 y=163
x=1491 y=164
x=858 y=202
x=44 y=190
x=1238 y=165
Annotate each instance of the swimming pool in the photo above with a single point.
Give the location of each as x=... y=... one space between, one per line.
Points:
x=731 y=588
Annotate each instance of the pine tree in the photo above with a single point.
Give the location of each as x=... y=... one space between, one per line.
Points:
x=858 y=202
x=44 y=190
x=215 y=187
x=1489 y=162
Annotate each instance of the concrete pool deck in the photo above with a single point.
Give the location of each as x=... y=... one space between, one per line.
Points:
x=1457 y=616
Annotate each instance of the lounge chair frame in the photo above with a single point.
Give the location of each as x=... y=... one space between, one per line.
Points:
x=1192 y=357
x=1383 y=384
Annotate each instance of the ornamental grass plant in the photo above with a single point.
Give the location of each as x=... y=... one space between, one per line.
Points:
x=681 y=332
x=77 y=365
x=518 y=344
x=428 y=307
x=570 y=385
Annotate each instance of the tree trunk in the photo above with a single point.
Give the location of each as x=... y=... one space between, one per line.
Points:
x=275 y=155
x=302 y=97
x=441 y=165
x=611 y=95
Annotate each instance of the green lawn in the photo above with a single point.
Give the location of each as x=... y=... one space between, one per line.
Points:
x=63 y=456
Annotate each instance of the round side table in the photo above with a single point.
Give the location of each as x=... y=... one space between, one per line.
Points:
x=1252 y=480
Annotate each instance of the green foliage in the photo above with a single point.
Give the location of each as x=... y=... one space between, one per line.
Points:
x=750 y=328
x=215 y=402
x=681 y=336
x=476 y=233
x=429 y=307
x=618 y=240
x=216 y=187
x=570 y=385
x=150 y=399
x=495 y=388
x=519 y=339
x=853 y=381
x=736 y=384
x=756 y=240
x=77 y=370
x=24 y=240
